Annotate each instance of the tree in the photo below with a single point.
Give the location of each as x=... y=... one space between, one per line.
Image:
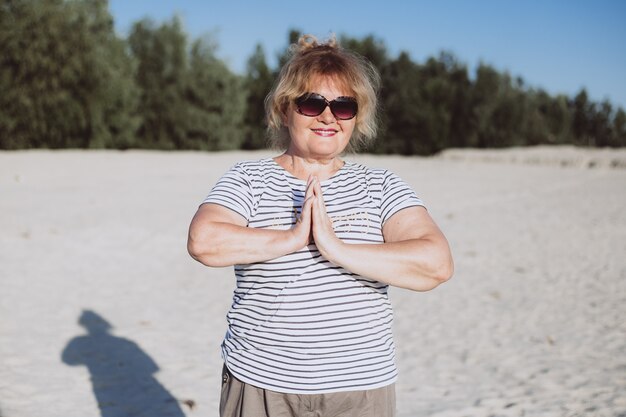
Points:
x=114 y=99
x=401 y=101
x=292 y=38
x=258 y=82
x=581 y=123
x=374 y=50
x=499 y=107
x=162 y=64
x=446 y=99
x=619 y=128
x=215 y=98
x=601 y=127
x=64 y=76
x=558 y=119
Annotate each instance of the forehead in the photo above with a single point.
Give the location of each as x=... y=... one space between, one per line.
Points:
x=333 y=85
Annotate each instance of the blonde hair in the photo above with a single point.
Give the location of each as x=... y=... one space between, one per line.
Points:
x=309 y=60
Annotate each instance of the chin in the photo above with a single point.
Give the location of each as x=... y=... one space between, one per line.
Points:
x=330 y=151
x=327 y=146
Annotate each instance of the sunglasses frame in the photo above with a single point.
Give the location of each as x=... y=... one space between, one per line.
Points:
x=315 y=96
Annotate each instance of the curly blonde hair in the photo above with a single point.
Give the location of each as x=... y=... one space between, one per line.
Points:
x=309 y=60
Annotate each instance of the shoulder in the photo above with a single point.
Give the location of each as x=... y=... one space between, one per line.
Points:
x=252 y=165
x=251 y=171
x=257 y=167
x=258 y=176
x=372 y=175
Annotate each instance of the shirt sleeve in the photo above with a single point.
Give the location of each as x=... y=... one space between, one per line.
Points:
x=396 y=195
x=233 y=191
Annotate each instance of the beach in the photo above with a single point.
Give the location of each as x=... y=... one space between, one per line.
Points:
x=104 y=314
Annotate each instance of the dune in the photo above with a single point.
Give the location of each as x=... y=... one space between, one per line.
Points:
x=103 y=313
x=564 y=156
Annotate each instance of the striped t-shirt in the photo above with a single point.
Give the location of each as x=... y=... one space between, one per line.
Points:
x=298 y=323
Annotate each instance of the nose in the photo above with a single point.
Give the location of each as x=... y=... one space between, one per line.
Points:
x=327 y=116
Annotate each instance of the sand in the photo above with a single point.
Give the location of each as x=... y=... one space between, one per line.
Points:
x=103 y=313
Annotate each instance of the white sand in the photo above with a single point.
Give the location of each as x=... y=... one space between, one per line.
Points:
x=532 y=324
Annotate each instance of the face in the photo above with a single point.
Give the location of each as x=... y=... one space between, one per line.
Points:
x=323 y=136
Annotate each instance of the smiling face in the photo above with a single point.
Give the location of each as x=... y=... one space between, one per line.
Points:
x=323 y=136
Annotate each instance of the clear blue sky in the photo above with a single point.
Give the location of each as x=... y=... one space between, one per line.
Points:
x=558 y=45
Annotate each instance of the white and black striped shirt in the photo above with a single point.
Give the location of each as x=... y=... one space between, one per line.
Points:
x=298 y=323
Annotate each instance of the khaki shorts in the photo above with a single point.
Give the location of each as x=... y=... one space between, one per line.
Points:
x=239 y=399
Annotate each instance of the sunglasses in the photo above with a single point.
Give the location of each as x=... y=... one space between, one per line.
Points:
x=312 y=104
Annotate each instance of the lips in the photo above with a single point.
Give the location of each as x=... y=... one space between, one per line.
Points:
x=324 y=132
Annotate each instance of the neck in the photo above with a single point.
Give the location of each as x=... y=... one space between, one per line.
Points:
x=302 y=167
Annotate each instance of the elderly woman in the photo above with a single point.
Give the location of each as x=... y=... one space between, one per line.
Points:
x=315 y=242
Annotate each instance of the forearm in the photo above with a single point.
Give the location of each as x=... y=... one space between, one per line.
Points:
x=224 y=244
x=417 y=264
x=220 y=237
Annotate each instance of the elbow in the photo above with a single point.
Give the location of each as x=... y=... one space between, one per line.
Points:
x=444 y=267
x=203 y=252
x=445 y=270
x=193 y=249
x=439 y=274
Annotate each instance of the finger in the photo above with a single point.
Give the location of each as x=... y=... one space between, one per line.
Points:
x=309 y=199
x=307 y=213
x=310 y=185
x=318 y=186
x=309 y=193
x=319 y=197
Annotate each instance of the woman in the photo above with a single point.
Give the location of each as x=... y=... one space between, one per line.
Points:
x=315 y=242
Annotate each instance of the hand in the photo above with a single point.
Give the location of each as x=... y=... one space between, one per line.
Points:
x=323 y=233
x=301 y=231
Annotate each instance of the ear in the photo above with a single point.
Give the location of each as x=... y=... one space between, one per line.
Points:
x=283 y=115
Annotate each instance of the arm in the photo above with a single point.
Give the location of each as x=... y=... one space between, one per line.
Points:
x=219 y=237
x=415 y=254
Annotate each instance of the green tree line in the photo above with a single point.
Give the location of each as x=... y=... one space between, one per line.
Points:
x=68 y=81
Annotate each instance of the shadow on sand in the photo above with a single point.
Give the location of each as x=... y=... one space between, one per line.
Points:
x=122 y=375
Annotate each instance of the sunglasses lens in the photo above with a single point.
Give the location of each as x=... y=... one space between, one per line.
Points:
x=311 y=106
x=344 y=108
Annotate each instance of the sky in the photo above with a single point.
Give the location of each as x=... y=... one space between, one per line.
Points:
x=557 y=45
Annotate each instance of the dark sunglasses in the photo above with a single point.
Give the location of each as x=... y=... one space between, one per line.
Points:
x=312 y=104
